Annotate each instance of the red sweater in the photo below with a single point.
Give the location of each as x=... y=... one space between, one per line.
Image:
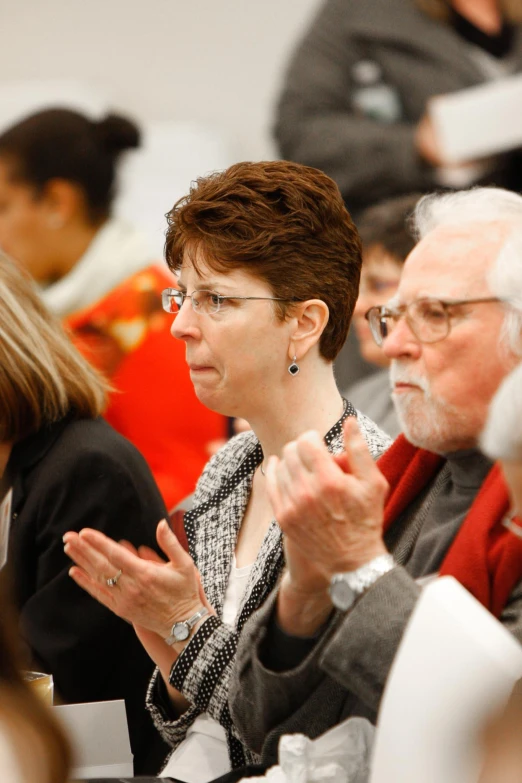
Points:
x=485 y=557
x=127 y=336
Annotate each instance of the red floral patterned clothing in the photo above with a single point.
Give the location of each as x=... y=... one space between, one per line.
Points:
x=126 y=335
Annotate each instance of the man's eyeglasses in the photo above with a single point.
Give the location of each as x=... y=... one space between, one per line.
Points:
x=207 y=302
x=429 y=319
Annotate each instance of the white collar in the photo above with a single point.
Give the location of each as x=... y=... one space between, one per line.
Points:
x=116 y=252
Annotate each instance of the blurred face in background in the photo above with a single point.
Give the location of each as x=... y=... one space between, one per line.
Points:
x=28 y=223
x=380 y=276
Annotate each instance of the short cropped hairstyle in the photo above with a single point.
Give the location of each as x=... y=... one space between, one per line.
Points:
x=283 y=222
x=387 y=224
x=42 y=375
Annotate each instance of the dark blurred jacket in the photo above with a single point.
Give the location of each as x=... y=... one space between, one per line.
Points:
x=72 y=475
x=319 y=125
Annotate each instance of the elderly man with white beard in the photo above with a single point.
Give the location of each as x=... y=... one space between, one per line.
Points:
x=361 y=539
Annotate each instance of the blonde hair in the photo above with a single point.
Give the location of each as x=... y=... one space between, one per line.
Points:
x=42 y=375
x=440 y=9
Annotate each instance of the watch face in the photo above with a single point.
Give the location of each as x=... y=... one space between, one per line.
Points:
x=341 y=594
x=181 y=631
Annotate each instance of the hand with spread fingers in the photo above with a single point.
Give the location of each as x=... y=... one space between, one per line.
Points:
x=138 y=586
x=330 y=509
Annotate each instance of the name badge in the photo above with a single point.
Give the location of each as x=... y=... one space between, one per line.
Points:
x=5 y=523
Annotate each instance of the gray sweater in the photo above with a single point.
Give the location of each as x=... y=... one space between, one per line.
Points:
x=345 y=672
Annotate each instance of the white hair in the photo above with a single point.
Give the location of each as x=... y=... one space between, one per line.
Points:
x=502 y=436
x=484 y=205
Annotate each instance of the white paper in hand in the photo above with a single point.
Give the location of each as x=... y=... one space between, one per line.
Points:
x=479 y=121
x=456 y=664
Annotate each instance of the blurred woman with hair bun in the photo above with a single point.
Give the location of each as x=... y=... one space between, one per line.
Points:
x=57 y=186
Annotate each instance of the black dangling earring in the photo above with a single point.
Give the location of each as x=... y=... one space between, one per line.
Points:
x=293 y=368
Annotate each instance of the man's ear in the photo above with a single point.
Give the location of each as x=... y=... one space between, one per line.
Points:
x=63 y=201
x=310 y=319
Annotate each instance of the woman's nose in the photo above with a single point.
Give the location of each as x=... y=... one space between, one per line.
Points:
x=185 y=324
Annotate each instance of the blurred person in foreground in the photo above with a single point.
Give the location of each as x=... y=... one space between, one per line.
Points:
x=57 y=187
x=502 y=440
x=268 y=262
x=356 y=94
x=62 y=467
x=32 y=746
x=361 y=538
x=387 y=241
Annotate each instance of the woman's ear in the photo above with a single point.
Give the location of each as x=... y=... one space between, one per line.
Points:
x=63 y=202
x=310 y=320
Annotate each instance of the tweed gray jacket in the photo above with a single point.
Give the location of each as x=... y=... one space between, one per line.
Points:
x=203 y=669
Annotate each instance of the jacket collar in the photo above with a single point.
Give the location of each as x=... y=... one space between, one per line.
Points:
x=212 y=527
x=116 y=252
x=28 y=452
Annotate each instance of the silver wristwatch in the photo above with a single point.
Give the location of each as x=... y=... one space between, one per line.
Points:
x=181 y=630
x=346 y=587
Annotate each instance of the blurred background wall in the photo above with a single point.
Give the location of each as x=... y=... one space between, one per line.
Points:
x=200 y=77
x=215 y=62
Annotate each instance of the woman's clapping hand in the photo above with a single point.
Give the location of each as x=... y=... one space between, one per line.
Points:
x=150 y=593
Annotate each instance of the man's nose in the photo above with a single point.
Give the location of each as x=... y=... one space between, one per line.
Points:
x=401 y=341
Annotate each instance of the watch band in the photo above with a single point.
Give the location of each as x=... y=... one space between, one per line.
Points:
x=181 y=629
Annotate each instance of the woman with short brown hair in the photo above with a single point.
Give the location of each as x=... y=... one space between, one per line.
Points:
x=268 y=263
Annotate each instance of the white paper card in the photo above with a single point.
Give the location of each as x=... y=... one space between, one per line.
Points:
x=455 y=665
x=5 y=524
x=479 y=121
x=100 y=739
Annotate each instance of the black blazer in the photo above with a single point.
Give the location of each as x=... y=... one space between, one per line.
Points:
x=75 y=474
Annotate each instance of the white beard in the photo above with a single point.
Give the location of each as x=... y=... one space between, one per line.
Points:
x=428 y=422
